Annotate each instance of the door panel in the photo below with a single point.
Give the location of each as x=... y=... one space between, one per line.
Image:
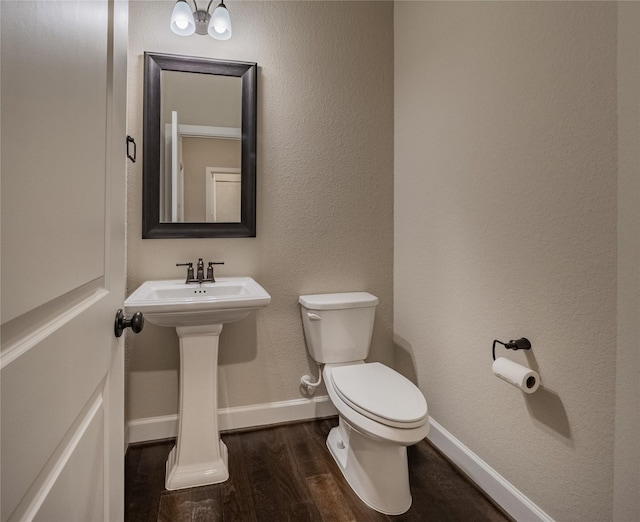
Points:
x=44 y=391
x=81 y=477
x=63 y=196
x=53 y=153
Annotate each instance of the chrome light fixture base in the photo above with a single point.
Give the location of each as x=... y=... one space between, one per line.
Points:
x=201 y=19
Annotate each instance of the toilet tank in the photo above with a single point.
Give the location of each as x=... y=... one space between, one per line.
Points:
x=338 y=327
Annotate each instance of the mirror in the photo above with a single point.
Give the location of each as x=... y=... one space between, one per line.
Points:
x=199 y=151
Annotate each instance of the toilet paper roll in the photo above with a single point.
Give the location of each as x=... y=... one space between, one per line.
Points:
x=516 y=374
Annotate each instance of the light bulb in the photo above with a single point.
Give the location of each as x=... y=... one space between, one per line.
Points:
x=182 y=21
x=220 y=23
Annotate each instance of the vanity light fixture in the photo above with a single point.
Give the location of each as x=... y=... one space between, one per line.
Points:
x=185 y=22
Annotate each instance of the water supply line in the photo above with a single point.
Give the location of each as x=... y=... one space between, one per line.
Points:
x=311 y=386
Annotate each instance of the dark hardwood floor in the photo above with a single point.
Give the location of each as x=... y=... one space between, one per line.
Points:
x=285 y=473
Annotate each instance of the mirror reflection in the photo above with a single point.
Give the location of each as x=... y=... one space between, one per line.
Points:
x=201 y=129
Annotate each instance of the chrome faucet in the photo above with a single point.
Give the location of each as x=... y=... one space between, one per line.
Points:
x=199 y=277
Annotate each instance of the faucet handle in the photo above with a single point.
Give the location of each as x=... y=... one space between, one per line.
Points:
x=189 y=270
x=210 y=269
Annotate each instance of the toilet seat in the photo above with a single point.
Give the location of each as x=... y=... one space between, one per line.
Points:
x=381 y=394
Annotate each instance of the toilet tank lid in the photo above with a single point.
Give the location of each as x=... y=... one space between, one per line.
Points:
x=338 y=301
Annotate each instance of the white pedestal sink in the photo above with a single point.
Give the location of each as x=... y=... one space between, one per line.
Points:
x=197 y=311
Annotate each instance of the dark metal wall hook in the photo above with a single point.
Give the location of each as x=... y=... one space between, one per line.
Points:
x=135 y=149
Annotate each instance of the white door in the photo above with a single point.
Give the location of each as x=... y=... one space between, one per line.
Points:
x=63 y=92
x=223 y=195
x=177 y=171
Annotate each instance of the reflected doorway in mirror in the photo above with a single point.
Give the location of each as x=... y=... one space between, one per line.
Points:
x=223 y=195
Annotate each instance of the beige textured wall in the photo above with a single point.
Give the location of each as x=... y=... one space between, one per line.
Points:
x=626 y=500
x=184 y=92
x=325 y=190
x=505 y=226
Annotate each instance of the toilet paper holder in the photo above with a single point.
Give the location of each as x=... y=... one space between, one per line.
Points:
x=518 y=344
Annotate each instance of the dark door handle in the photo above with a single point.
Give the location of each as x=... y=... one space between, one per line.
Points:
x=135 y=322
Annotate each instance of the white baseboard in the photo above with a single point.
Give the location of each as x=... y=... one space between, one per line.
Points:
x=151 y=428
x=503 y=493
x=166 y=426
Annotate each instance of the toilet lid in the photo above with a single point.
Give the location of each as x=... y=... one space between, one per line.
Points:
x=380 y=393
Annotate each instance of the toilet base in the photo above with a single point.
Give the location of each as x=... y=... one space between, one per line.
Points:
x=376 y=470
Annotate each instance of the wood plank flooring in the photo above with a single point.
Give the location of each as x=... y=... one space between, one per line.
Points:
x=285 y=473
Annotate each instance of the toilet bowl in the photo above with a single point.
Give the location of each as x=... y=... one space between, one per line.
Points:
x=380 y=411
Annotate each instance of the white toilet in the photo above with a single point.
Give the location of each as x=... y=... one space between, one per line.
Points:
x=381 y=412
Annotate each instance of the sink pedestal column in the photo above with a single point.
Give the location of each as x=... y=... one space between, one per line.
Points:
x=199 y=457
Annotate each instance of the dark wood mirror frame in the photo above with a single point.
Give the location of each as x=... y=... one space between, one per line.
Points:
x=152 y=228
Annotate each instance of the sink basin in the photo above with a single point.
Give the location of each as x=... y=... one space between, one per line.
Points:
x=176 y=303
